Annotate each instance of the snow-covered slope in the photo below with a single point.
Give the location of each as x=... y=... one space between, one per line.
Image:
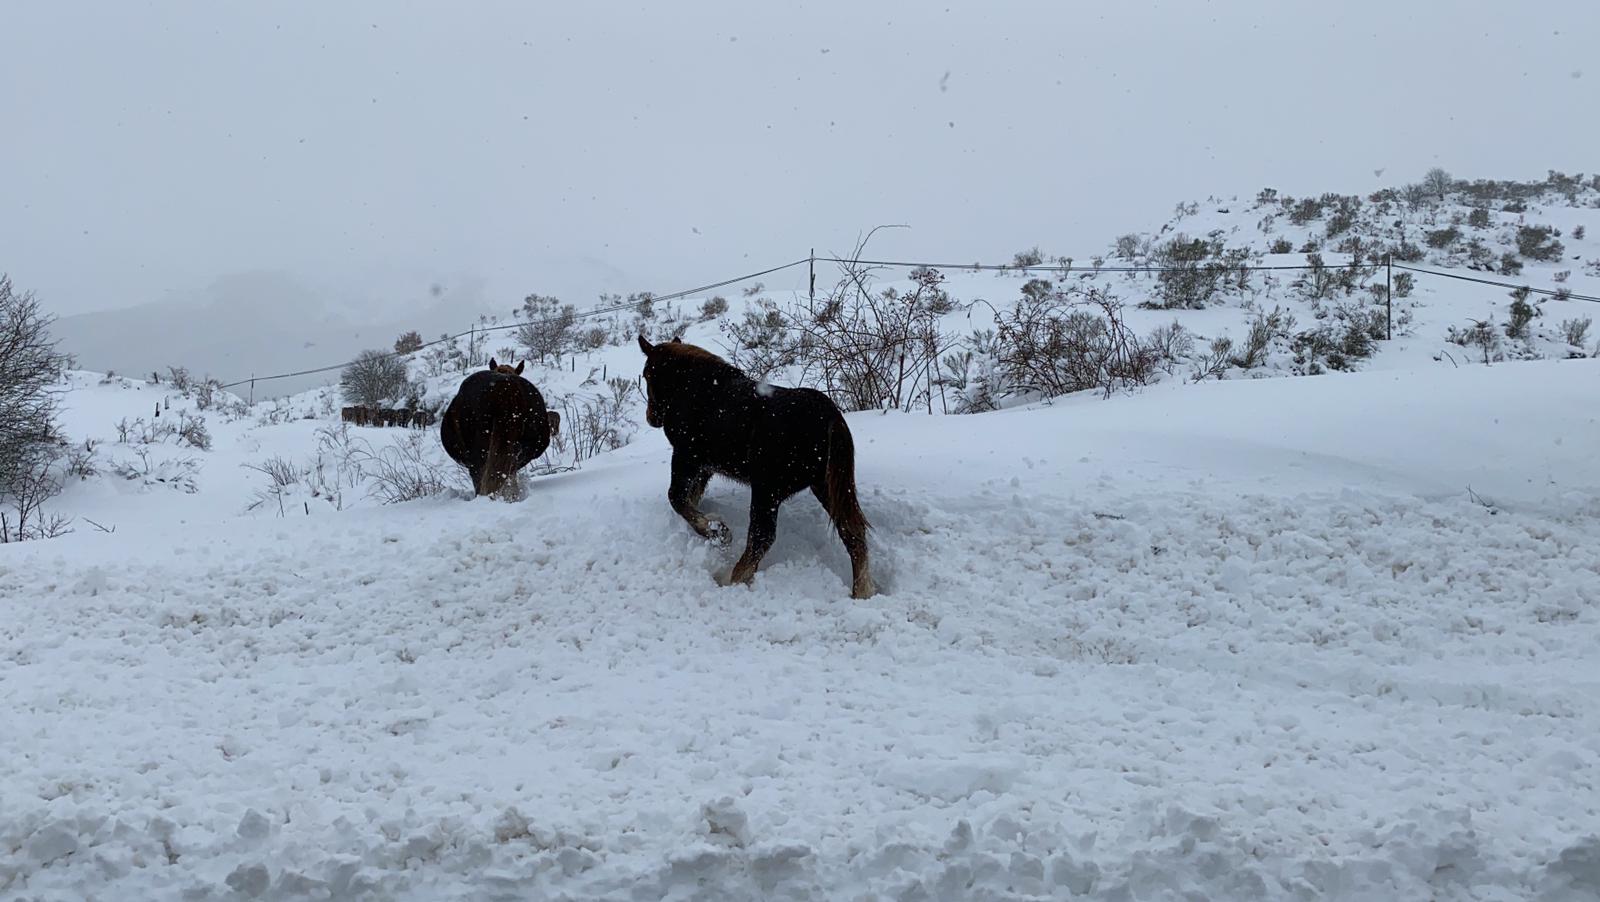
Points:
x=1249 y=639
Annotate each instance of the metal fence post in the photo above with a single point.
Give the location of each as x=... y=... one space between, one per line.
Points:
x=1388 y=298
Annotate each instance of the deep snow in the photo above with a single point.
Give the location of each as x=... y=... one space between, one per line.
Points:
x=1234 y=640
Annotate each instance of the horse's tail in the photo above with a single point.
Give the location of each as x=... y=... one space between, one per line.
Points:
x=839 y=480
x=496 y=460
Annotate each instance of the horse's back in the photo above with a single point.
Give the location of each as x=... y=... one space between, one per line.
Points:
x=486 y=400
x=791 y=433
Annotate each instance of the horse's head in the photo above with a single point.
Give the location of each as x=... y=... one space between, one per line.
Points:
x=652 y=369
x=672 y=370
x=508 y=369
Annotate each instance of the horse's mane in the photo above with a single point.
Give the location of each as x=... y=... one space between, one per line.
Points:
x=692 y=355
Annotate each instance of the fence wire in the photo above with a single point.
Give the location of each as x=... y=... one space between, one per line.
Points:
x=1058 y=268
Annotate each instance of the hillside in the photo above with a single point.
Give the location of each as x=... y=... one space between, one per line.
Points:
x=1209 y=627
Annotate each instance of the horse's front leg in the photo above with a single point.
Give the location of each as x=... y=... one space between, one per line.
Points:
x=689 y=478
x=764 y=504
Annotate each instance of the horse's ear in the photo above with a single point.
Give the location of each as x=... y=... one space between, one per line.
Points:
x=493 y=365
x=519 y=366
x=677 y=339
x=645 y=346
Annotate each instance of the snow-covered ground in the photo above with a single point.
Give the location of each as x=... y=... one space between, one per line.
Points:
x=1332 y=637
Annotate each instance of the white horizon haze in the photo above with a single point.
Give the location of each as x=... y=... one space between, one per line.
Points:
x=435 y=161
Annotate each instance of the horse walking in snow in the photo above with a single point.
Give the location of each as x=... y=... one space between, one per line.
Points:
x=496 y=425
x=776 y=440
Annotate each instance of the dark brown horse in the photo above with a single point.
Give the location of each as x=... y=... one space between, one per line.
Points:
x=496 y=425
x=776 y=440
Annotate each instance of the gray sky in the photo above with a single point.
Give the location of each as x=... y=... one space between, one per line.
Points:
x=372 y=149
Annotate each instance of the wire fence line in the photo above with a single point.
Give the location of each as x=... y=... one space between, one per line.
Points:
x=1071 y=268
x=812 y=259
x=1557 y=293
x=587 y=314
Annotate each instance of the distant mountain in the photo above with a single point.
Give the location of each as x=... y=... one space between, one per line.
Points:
x=267 y=322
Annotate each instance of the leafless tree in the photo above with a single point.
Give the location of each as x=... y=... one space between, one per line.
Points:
x=373 y=378
x=30 y=370
x=548 y=326
x=1437 y=182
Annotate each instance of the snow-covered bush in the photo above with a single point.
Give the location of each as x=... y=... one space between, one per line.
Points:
x=1522 y=313
x=1539 y=243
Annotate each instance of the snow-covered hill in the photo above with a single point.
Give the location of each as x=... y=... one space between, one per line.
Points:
x=1245 y=638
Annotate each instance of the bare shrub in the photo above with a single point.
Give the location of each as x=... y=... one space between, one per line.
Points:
x=82 y=461
x=1215 y=362
x=1264 y=329
x=1576 y=331
x=1443 y=238
x=713 y=308
x=1348 y=334
x=872 y=349
x=592 y=425
x=761 y=341
x=191 y=431
x=548 y=326
x=174 y=473
x=24 y=517
x=408 y=342
x=1193 y=271
x=1403 y=284
x=282 y=475
x=1171 y=343
x=178 y=377
x=374 y=378
x=1305 y=210
x=404 y=471
x=1054 y=341
x=208 y=393
x=1346 y=209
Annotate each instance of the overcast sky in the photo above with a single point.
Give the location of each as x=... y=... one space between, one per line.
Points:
x=375 y=148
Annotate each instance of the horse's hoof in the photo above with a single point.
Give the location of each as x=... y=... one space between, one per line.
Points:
x=718 y=532
x=863 y=590
x=728 y=579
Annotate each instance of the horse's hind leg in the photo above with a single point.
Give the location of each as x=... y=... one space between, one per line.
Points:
x=763 y=530
x=852 y=531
